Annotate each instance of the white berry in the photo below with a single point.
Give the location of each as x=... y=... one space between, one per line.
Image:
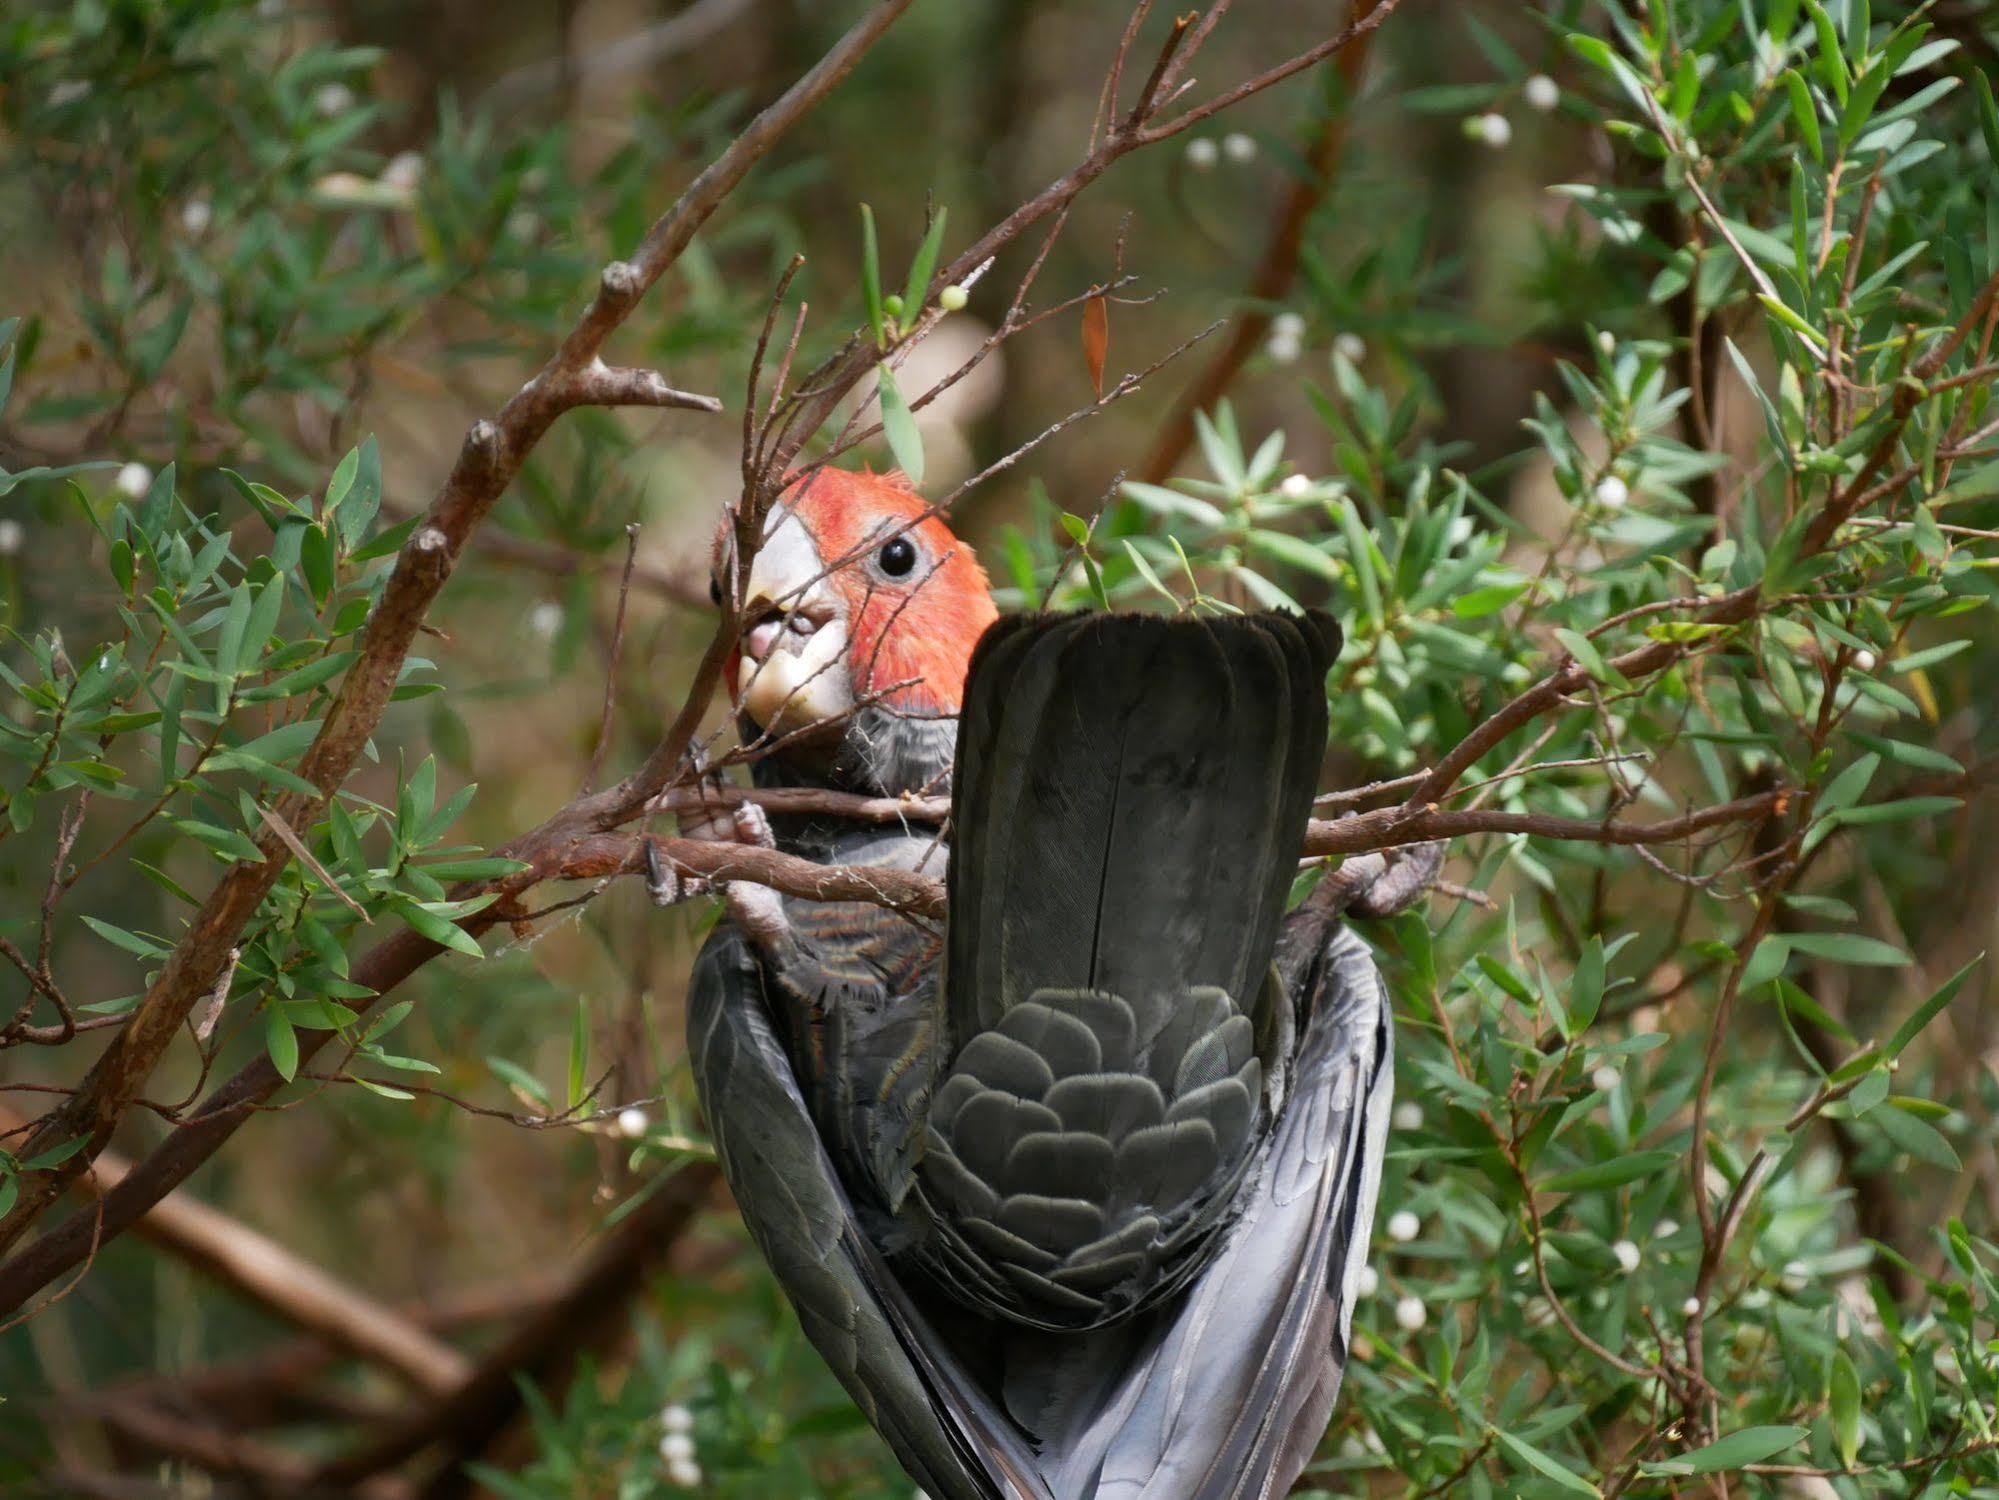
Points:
x=1295 y=485
x=1404 y=1226
x=632 y=1122
x=11 y=536
x=1604 y=1079
x=1408 y=1115
x=1410 y=1313
x=1493 y=128
x=953 y=298
x=134 y=479
x=1611 y=492
x=1627 y=1255
x=1202 y=153
x=1541 y=92
x=1238 y=147
x=1368 y=1282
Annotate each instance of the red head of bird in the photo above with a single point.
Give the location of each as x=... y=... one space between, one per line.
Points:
x=861 y=612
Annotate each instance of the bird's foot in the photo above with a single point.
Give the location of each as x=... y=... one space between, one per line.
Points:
x=666 y=885
x=1408 y=876
x=1376 y=886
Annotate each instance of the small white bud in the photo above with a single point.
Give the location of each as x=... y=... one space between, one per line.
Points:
x=1202 y=153
x=195 y=215
x=1295 y=486
x=1627 y=1255
x=1460 y=531
x=11 y=536
x=686 y=1474
x=953 y=299
x=1350 y=347
x=523 y=224
x=1288 y=325
x=333 y=98
x=1541 y=92
x=676 y=1418
x=68 y=92
x=677 y=1448
x=1410 y=1314
x=134 y=479
x=1239 y=148
x=1665 y=1229
x=545 y=619
x=405 y=170
x=632 y=1122
x=1691 y=1307
x=1404 y=1226
x=1492 y=128
x=1611 y=492
x=1408 y=1115
x=1368 y=1282
x=1864 y=660
x=1606 y=341
x=1284 y=351
x=1605 y=1078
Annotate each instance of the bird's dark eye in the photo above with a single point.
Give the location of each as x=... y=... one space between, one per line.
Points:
x=897 y=556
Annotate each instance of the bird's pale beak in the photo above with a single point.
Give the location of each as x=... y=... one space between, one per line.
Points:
x=792 y=671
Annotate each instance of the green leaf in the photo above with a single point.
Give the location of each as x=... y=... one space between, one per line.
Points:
x=1766 y=963
x=1145 y=571
x=281 y=1042
x=1489 y=600
x=1543 y=1464
x=522 y=1079
x=440 y=930
x=131 y=942
x=1928 y=1011
x=1988 y=113
x=922 y=268
x=1843 y=1397
x=899 y=427
x=1848 y=948
x=1805 y=112
x=1751 y=1445
x=871 y=273
x=1915 y=1137
x=1613 y=1173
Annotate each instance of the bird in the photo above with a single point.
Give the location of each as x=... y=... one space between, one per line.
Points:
x=1074 y=1192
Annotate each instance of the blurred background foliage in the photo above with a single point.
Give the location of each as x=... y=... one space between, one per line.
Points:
x=1600 y=306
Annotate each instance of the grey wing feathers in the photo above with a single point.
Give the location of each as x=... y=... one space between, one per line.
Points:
x=1129 y=798
x=947 y=1435
x=1230 y=1399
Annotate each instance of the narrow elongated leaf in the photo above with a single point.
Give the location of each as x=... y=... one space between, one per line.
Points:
x=1613 y=1173
x=1928 y=1011
x=1751 y=1445
x=899 y=427
x=1543 y=1464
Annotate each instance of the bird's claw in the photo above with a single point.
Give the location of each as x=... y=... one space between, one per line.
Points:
x=666 y=885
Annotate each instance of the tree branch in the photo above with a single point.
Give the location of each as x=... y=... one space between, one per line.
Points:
x=492 y=454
